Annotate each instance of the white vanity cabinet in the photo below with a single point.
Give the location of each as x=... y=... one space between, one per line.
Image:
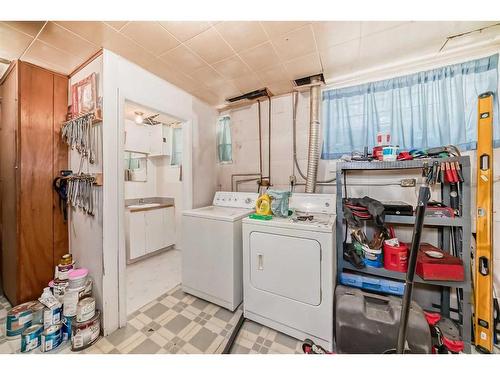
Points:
x=149 y=230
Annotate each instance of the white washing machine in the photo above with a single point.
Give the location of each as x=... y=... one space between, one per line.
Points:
x=289 y=270
x=212 y=249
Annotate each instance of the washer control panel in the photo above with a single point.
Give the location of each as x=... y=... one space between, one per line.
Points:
x=235 y=199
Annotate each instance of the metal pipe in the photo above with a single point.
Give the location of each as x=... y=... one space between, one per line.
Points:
x=294 y=135
x=260 y=138
x=313 y=152
x=242 y=175
x=269 y=142
x=246 y=180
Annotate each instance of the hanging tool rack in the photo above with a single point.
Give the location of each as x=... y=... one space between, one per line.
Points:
x=81 y=135
x=446 y=229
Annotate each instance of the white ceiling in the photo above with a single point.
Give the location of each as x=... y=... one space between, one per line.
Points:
x=217 y=60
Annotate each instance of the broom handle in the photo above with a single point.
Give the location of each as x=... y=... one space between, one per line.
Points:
x=423 y=198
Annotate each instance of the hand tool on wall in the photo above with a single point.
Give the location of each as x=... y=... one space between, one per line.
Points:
x=60 y=185
x=483 y=296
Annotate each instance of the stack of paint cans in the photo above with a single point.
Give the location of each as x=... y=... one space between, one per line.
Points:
x=65 y=312
x=25 y=321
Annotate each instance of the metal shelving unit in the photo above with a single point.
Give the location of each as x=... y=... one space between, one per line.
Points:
x=443 y=225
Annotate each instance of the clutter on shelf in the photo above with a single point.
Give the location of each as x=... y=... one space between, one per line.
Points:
x=64 y=313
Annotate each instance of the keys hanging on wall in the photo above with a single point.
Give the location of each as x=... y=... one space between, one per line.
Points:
x=80 y=134
x=82 y=192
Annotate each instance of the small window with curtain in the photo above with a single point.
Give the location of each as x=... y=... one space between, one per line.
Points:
x=176 y=146
x=224 y=145
x=427 y=109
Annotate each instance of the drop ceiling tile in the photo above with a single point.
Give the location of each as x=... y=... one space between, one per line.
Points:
x=340 y=56
x=372 y=27
x=125 y=47
x=260 y=57
x=182 y=58
x=273 y=74
x=28 y=27
x=117 y=25
x=242 y=34
x=185 y=30
x=279 y=88
x=12 y=42
x=206 y=95
x=207 y=76
x=247 y=83
x=92 y=31
x=297 y=43
x=225 y=90
x=335 y=32
x=278 y=28
x=405 y=41
x=67 y=41
x=232 y=67
x=50 y=57
x=210 y=46
x=150 y=35
x=303 y=66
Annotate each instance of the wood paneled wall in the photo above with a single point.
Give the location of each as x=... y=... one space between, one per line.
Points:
x=42 y=235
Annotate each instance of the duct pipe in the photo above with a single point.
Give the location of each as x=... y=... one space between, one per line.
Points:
x=313 y=154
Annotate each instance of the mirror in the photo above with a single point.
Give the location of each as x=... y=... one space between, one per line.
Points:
x=136 y=166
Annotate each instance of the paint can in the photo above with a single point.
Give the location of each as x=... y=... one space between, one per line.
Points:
x=390 y=153
x=67 y=322
x=85 y=309
x=86 y=333
x=51 y=338
x=37 y=309
x=77 y=278
x=31 y=338
x=66 y=259
x=70 y=302
x=58 y=288
x=51 y=316
x=18 y=319
x=73 y=296
x=63 y=271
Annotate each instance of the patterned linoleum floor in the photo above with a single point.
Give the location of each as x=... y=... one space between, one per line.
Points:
x=177 y=323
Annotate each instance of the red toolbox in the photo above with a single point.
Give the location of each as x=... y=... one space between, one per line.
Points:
x=435 y=264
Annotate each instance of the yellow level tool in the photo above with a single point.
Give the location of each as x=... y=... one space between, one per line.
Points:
x=483 y=296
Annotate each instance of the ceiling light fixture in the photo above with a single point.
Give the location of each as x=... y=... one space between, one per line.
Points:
x=139 y=117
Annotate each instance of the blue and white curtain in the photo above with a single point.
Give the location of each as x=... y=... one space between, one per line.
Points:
x=176 y=157
x=427 y=109
x=224 y=145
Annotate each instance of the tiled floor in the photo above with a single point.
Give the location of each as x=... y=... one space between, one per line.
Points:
x=254 y=338
x=178 y=323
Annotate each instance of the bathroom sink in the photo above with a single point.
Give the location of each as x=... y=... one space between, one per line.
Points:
x=144 y=205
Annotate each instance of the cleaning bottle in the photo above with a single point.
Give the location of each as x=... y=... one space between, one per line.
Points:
x=263 y=206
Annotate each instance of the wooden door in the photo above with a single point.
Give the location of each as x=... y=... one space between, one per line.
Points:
x=60 y=162
x=36 y=257
x=8 y=183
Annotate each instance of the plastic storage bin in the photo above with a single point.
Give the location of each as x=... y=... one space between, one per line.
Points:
x=372 y=283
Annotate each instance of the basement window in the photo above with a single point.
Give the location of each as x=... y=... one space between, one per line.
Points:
x=427 y=109
x=224 y=145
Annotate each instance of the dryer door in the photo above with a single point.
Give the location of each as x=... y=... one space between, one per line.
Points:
x=286 y=266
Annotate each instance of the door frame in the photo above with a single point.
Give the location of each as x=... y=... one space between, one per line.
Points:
x=187 y=186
